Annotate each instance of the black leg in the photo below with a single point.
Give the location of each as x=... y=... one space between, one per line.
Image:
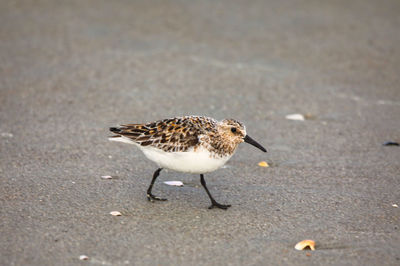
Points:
x=213 y=202
x=150 y=196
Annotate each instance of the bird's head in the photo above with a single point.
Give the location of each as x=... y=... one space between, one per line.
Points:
x=235 y=132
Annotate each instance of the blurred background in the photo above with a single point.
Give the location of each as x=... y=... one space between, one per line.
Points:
x=71 y=69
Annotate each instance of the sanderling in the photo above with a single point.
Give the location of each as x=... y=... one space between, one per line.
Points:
x=190 y=144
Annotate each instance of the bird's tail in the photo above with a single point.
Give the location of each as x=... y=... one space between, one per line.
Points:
x=115 y=130
x=118 y=137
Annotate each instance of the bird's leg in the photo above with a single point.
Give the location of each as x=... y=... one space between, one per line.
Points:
x=150 y=196
x=213 y=202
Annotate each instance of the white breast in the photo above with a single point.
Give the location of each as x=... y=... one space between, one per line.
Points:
x=199 y=161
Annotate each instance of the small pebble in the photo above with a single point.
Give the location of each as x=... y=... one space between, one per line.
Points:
x=391 y=143
x=263 y=164
x=83 y=257
x=309 y=116
x=115 y=213
x=395 y=205
x=106 y=177
x=298 y=117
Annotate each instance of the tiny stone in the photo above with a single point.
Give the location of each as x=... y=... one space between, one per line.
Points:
x=309 y=116
x=391 y=143
x=115 y=213
x=395 y=205
x=83 y=257
x=106 y=177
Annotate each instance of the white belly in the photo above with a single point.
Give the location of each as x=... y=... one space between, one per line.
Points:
x=198 y=162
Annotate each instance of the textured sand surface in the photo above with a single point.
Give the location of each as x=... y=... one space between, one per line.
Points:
x=71 y=69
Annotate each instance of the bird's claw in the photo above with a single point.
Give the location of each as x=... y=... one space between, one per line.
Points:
x=220 y=206
x=152 y=198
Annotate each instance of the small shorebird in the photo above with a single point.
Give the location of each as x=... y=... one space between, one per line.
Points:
x=190 y=144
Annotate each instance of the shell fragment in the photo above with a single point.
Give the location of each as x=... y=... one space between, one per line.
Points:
x=7 y=135
x=305 y=244
x=83 y=257
x=115 y=213
x=174 y=183
x=298 y=117
x=263 y=164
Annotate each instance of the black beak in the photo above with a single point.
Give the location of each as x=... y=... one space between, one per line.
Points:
x=254 y=143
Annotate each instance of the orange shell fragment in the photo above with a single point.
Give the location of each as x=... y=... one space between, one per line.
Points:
x=263 y=164
x=305 y=244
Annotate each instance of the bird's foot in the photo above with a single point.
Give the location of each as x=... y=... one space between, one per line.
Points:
x=220 y=206
x=152 y=198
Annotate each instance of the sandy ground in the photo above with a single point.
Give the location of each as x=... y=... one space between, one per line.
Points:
x=71 y=69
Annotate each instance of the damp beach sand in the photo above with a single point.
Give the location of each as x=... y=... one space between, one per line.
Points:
x=71 y=69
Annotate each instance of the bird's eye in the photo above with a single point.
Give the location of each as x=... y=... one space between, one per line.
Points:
x=233 y=129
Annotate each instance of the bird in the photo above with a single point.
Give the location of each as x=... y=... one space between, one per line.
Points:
x=189 y=144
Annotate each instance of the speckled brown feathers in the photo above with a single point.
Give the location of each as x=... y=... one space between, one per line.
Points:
x=170 y=135
x=181 y=134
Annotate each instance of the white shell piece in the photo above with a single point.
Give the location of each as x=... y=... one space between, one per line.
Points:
x=298 y=117
x=174 y=183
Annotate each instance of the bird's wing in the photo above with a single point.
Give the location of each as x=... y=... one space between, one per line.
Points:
x=172 y=135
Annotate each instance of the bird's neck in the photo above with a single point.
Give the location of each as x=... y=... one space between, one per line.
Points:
x=221 y=147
